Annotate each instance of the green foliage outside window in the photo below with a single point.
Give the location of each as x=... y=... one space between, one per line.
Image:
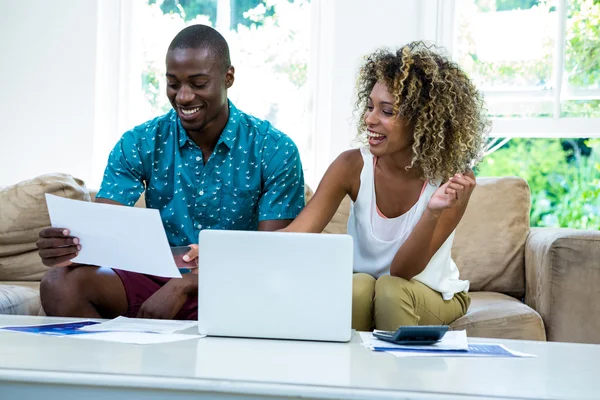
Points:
x=564 y=183
x=563 y=174
x=190 y=9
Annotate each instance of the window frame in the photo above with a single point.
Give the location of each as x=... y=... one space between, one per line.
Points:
x=556 y=126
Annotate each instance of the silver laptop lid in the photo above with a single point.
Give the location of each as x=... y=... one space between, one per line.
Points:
x=275 y=285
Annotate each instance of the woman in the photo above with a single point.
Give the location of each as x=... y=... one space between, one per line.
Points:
x=423 y=126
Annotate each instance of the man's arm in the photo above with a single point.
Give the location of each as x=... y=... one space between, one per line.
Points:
x=282 y=196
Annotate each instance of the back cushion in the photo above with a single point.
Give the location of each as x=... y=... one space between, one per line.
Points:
x=490 y=239
x=23 y=213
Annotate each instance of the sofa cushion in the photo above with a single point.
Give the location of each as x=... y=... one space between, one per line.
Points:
x=19 y=300
x=495 y=315
x=489 y=246
x=23 y=213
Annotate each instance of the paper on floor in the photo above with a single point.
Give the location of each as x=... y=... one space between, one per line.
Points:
x=452 y=340
x=137 y=337
x=127 y=238
x=124 y=324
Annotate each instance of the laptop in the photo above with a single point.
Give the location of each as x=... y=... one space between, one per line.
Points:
x=275 y=285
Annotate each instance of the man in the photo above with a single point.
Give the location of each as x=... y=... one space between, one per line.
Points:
x=203 y=165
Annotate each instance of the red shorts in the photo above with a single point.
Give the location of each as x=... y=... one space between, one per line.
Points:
x=139 y=287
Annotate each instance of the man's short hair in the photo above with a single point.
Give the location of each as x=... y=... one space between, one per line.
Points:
x=205 y=37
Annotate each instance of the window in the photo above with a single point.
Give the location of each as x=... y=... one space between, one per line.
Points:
x=536 y=62
x=269 y=44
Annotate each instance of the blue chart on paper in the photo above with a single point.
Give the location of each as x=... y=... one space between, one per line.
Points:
x=489 y=350
x=68 y=328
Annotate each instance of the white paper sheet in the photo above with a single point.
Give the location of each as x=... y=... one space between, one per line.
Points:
x=127 y=238
x=136 y=337
x=124 y=324
x=452 y=340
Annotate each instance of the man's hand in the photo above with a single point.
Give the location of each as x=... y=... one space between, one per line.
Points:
x=455 y=192
x=167 y=301
x=57 y=248
x=190 y=256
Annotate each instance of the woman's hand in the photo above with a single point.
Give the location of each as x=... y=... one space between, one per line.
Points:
x=455 y=192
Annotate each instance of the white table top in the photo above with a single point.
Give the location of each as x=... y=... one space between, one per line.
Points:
x=291 y=368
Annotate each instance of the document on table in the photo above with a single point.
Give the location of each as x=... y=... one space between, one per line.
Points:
x=137 y=337
x=452 y=340
x=126 y=238
x=453 y=344
x=124 y=324
x=60 y=329
x=120 y=330
x=474 y=350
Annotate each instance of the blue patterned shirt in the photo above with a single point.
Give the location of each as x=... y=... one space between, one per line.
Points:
x=254 y=174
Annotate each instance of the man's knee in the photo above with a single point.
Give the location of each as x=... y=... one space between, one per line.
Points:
x=60 y=290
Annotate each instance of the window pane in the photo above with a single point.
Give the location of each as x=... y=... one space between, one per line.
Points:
x=269 y=44
x=519 y=107
x=563 y=176
x=582 y=50
x=507 y=45
x=580 y=108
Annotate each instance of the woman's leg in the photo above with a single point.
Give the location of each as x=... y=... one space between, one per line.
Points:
x=363 y=289
x=399 y=302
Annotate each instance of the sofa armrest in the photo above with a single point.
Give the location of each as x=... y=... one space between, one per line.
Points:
x=562 y=275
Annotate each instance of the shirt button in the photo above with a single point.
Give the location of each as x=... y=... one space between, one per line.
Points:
x=201 y=193
x=198 y=158
x=199 y=226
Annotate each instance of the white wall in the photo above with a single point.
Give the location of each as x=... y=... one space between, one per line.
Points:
x=47 y=81
x=344 y=32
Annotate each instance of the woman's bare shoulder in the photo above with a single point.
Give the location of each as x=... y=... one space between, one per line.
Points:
x=350 y=164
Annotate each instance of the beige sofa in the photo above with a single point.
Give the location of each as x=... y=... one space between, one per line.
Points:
x=533 y=284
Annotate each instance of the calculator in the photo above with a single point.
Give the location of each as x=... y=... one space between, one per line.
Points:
x=413 y=335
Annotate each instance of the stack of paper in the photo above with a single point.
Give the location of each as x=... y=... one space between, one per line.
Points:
x=452 y=341
x=121 y=329
x=453 y=344
x=124 y=324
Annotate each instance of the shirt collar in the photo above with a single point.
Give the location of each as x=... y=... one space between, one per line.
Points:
x=228 y=134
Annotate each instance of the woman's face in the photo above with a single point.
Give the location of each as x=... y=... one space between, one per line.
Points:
x=387 y=133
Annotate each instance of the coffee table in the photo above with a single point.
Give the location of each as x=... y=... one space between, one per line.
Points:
x=49 y=368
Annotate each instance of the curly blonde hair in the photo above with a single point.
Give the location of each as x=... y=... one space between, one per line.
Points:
x=437 y=97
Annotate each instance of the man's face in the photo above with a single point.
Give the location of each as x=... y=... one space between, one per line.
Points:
x=197 y=86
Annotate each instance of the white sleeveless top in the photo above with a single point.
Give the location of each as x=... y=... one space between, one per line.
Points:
x=377 y=239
